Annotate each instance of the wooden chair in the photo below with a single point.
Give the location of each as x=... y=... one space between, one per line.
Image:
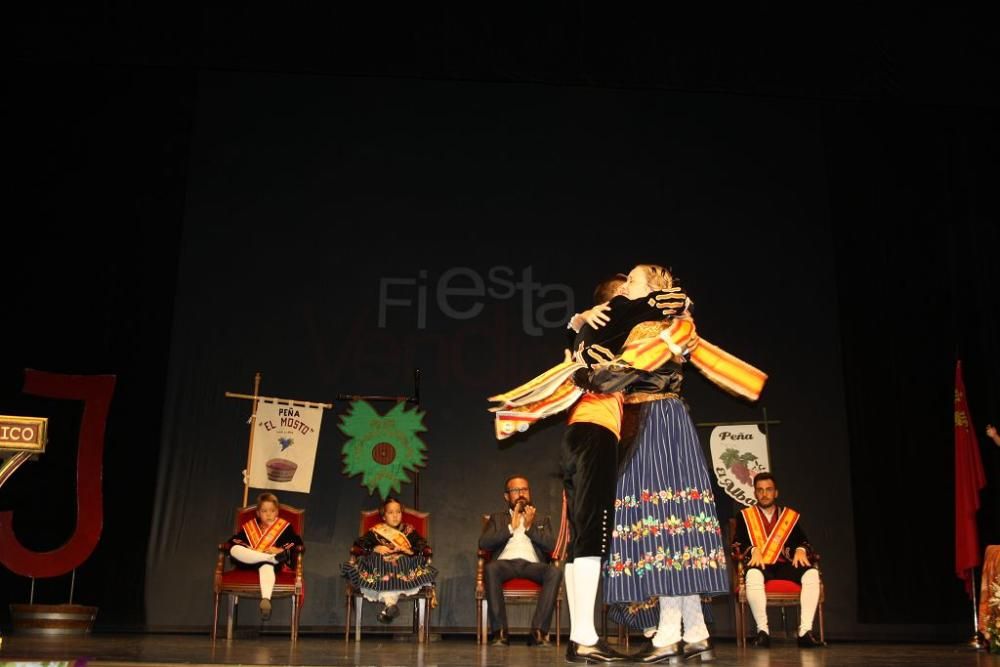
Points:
x=780 y=593
x=244 y=582
x=515 y=591
x=423 y=600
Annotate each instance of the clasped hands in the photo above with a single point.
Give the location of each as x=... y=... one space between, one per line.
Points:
x=390 y=554
x=525 y=517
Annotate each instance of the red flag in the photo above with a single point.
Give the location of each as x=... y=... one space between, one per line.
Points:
x=969 y=479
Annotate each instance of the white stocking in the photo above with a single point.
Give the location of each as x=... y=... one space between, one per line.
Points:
x=249 y=556
x=809 y=599
x=570 y=593
x=266 y=575
x=694 y=619
x=669 y=630
x=586 y=577
x=757 y=598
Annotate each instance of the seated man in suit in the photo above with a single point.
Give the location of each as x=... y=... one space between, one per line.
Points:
x=521 y=544
x=776 y=547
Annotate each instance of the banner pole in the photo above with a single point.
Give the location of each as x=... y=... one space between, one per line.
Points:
x=976 y=642
x=253 y=427
x=416 y=473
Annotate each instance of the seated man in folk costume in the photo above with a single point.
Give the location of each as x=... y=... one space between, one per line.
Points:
x=776 y=547
x=265 y=543
x=393 y=564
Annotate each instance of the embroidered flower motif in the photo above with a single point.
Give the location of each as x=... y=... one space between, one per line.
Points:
x=690 y=557
x=671 y=525
x=664 y=496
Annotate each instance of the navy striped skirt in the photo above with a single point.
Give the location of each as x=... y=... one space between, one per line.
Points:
x=666 y=538
x=372 y=572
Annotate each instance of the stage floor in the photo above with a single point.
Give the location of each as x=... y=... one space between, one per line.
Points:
x=160 y=649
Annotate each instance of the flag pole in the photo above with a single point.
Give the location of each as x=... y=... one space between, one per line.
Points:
x=977 y=640
x=416 y=473
x=253 y=427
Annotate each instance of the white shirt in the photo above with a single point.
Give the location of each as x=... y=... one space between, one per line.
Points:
x=519 y=545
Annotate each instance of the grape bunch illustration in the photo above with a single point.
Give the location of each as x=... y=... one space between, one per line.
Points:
x=743 y=466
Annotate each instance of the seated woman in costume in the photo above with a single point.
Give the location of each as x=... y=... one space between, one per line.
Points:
x=393 y=563
x=265 y=543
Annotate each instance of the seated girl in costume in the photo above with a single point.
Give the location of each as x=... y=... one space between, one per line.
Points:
x=265 y=543
x=392 y=564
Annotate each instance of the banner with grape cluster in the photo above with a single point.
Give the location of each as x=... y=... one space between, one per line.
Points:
x=739 y=451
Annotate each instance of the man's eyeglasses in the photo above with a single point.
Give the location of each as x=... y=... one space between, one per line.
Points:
x=521 y=490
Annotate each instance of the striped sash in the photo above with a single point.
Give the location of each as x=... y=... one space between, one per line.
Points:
x=722 y=368
x=262 y=541
x=769 y=545
x=393 y=536
x=649 y=347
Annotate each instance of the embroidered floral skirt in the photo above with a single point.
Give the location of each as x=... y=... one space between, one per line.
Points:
x=373 y=573
x=666 y=538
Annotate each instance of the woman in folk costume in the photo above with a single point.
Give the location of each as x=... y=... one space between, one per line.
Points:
x=265 y=543
x=666 y=540
x=649 y=360
x=393 y=564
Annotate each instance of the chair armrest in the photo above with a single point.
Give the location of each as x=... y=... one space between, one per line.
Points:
x=357 y=551
x=428 y=552
x=298 y=566
x=484 y=554
x=739 y=572
x=220 y=565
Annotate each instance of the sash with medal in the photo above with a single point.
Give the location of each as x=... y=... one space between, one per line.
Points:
x=769 y=545
x=394 y=537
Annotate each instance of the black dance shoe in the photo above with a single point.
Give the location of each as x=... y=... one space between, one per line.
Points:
x=762 y=640
x=599 y=652
x=539 y=638
x=659 y=655
x=808 y=640
x=390 y=612
x=501 y=638
x=701 y=649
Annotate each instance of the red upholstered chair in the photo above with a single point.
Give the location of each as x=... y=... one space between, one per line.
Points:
x=423 y=600
x=515 y=591
x=237 y=582
x=780 y=593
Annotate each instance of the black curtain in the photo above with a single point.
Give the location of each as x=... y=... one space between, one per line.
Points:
x=916 y=228
x=92 y=240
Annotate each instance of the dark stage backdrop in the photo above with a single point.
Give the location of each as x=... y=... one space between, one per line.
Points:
x=315 y=251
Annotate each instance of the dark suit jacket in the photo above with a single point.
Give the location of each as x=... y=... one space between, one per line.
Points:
x=496 y=534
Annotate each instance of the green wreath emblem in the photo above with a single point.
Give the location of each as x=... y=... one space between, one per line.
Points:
x=382 y=448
